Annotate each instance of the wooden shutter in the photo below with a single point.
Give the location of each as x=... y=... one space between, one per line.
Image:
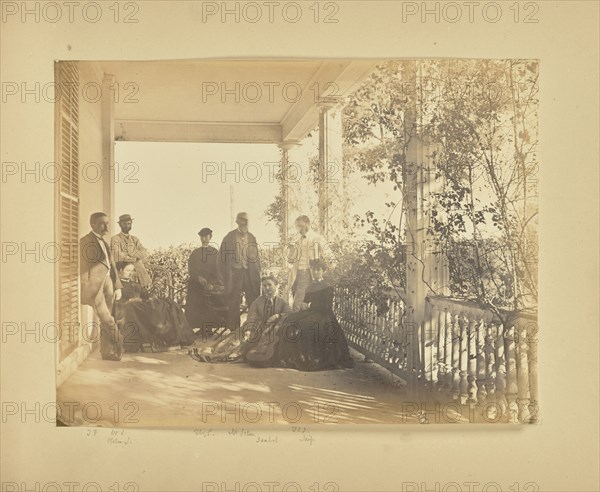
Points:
x=67 y=151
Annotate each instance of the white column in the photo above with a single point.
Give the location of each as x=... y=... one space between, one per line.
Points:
x=331 y=202
x=285 y=187
x=108 y=146
x=426 y=264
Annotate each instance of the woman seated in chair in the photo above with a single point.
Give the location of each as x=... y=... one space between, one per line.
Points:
x=144 y=320
x=264 y=314
x=310 y=339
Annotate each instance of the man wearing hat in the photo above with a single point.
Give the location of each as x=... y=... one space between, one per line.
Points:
x=126 y=247
x=204 y=281
x=240 y=267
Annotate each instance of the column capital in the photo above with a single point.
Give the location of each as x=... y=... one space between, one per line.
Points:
x=324 y=104
x=288 y=144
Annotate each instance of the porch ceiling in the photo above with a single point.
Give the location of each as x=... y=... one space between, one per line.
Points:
x=226 y=101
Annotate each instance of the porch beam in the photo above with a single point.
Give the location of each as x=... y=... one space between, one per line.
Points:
x=197 y=131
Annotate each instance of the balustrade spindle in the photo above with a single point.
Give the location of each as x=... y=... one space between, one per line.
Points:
x=372 y=326
x=501 y=371
x=533 y=384
x=448 y=352
x=421 y=340
x=410 y=355
x=455 y=357
x=428 y=338
x=441 y=354
x=399 y=330
x=511 y=375
x=384 y=341
x=435 y=345
x=395 y=326
x=464 y=354
x=481 y=363
x=472 y=379
x=522 y=371
x=490 y=345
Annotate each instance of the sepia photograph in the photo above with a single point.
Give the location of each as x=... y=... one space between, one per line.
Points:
x=311 y=245
x=265 y=242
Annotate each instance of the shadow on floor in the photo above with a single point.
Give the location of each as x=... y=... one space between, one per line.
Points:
x=170 y=389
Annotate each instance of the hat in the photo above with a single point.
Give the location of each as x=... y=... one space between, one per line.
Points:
x=205 y=231
x=241 y=217
x=125 y=218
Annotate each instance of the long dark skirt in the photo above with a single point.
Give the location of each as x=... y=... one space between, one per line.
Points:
x=311 y=341
x=160 y=322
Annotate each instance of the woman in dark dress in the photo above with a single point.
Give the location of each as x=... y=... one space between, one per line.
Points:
x=312 y=339
x=142 y=320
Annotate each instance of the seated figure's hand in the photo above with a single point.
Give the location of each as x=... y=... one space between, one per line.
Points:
x=117 y=294
x=272 y=318
x=304 y=306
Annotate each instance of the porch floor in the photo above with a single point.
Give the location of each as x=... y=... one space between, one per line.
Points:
x=170 y=389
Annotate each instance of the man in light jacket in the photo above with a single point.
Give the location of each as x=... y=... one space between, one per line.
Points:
x=126 y=247
x=309 y=246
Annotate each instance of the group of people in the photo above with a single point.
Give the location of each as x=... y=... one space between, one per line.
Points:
x=303 y=334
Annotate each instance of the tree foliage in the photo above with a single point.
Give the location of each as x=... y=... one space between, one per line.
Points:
x=480 y=117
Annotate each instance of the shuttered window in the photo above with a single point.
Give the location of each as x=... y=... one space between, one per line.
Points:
x=67 y=154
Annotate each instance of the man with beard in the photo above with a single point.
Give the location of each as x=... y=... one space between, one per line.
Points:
x=240 y=267
x=126 y=247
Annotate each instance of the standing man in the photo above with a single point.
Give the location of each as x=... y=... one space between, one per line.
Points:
x=204 y=280
x=100 y=284
x=240 y=267
x=309 y=246
x=126 y=247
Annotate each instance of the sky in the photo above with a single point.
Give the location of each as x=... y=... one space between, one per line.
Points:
x=172 y=190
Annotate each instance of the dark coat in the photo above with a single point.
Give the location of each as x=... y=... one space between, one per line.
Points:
x=203 y=269
x=230 y=254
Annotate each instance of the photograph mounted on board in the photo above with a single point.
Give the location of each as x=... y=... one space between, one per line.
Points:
x=296 y=242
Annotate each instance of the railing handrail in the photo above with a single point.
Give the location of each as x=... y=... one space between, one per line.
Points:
x=473 y=307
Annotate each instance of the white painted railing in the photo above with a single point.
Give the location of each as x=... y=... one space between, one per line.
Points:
x=459 y=351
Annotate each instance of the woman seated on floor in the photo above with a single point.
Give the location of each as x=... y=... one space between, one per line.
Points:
x=264 y=314
x=307 y=340
x=144 y=320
